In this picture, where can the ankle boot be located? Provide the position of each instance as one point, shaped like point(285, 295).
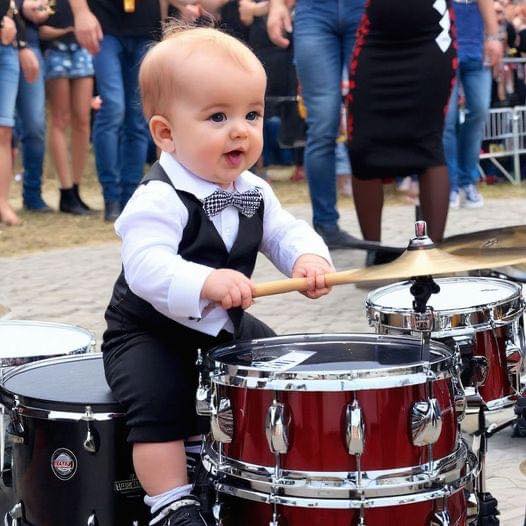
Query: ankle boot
point(70, 204)
point(79, 199)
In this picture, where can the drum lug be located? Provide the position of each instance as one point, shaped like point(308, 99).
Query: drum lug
point(203, 405)
point(441, 518)
point(354, 429)
point(472, 510)
point(222, 421)
point(426, 422)
point(18, 431)
point(15, 516)
point(480, 368)
point(92, 520)
point(459, 399)
point(277, 427)
point(514, 358)
point(91, 442)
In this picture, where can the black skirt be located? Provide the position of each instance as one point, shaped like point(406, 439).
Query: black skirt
point(401, 75)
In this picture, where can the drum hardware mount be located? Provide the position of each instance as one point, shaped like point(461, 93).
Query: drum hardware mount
point(426, 422)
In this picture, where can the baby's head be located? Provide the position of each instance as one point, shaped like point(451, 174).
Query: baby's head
point(203, 93)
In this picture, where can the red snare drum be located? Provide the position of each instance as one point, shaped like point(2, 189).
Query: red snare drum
point(478, 318)
point(338, 416)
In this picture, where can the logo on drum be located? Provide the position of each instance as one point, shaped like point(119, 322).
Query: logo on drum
point(63, 464)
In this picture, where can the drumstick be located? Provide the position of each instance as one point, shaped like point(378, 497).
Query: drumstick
point(281, 286)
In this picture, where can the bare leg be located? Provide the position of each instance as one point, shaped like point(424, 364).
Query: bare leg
point(81, 93)
point(369, 201)
point(434, 200)
point(7, 214)
point(161, 466)
point(58, 93)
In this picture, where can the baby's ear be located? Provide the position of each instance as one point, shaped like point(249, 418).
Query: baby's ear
point(162, 134)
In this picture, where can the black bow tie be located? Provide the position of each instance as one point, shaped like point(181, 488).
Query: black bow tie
point(246, 202)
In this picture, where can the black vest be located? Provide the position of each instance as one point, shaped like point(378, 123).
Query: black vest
point(200, 243)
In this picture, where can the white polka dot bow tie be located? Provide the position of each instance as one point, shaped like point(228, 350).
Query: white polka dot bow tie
point(246, 202)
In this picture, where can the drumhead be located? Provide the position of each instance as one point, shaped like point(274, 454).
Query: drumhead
point(26, 341)
point(464, 302)
point(328, 362)
point(69, 383)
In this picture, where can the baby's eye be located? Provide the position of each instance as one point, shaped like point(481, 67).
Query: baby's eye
point(218, 117)
point(253, 116)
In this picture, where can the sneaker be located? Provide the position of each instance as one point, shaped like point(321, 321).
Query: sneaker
point(454, 199)
point(472, 197)
point(183, 512)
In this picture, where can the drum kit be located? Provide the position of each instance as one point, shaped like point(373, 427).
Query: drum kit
point(375, 429)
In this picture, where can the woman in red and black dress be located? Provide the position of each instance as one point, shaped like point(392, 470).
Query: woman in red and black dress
point(401, 76)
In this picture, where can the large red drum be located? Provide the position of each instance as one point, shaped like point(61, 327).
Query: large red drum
point(336, 416)
point(478, 318)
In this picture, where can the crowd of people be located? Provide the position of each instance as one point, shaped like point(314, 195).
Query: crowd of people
point(77, 62)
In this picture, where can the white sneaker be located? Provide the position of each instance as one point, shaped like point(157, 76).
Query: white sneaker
point(454, 199)
point(472, 197)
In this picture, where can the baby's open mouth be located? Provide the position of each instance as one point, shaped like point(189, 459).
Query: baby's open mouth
point(234, 158)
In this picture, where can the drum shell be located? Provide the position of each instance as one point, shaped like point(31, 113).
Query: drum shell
point(97, 485)
point(317, 427)
point(243, 512)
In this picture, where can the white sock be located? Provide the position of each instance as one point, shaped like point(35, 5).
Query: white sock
point(158, 502)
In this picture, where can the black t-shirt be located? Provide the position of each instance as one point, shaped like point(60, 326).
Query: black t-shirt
point(145, 21)
point(62, 18)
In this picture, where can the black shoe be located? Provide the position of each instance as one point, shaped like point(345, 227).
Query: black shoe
point(112, 210)
point(82, 203)
point(183, 512)
point(380, 257)
point(69, 203)
point(335, 237)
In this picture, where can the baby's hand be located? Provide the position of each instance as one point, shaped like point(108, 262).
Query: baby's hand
point(228, 287)
point(314, 269)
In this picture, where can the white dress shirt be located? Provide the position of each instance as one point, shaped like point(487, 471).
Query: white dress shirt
point(151, 227)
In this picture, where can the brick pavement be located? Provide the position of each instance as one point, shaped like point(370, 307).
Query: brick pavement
point(74, 285)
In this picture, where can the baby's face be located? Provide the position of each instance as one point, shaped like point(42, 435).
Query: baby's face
point(217, 118)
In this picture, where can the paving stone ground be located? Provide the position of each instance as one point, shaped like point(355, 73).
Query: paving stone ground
point(73, 286)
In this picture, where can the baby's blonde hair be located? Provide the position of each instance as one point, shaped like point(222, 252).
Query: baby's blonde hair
point(158, 84)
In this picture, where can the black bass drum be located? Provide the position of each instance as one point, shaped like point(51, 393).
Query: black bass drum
point(71, 464)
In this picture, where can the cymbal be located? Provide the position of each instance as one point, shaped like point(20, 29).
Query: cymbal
point(421, 258)
point(506, 237)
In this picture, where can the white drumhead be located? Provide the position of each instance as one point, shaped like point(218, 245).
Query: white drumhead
point(455, 294)
point(27, 339)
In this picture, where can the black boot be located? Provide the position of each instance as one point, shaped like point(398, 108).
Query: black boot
point(82, 203)
point(185, 511)
point(69, 203)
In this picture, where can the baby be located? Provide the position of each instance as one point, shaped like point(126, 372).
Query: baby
point(190, 237)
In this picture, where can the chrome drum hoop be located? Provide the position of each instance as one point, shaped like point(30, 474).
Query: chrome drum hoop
point(447, 322)
point(342, 485)
point(445, 491)
point(350, 380)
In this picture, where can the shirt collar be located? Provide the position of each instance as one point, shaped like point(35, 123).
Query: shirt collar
point(184, 180)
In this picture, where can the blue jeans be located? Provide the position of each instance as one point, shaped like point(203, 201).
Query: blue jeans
point(324, 35)
point(120, 131)
point(31, 130)
point(462, 141)
point(9, 75)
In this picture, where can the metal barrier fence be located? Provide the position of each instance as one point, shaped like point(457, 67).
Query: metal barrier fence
point(506, 134)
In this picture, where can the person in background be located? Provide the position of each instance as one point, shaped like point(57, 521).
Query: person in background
point(479, 50)
point(31, 105)
point(69, 82)
point(324, 36)
point(9, 76)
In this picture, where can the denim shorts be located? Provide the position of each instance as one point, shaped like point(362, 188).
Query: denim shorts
point(67, 61)
point(9, 75)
